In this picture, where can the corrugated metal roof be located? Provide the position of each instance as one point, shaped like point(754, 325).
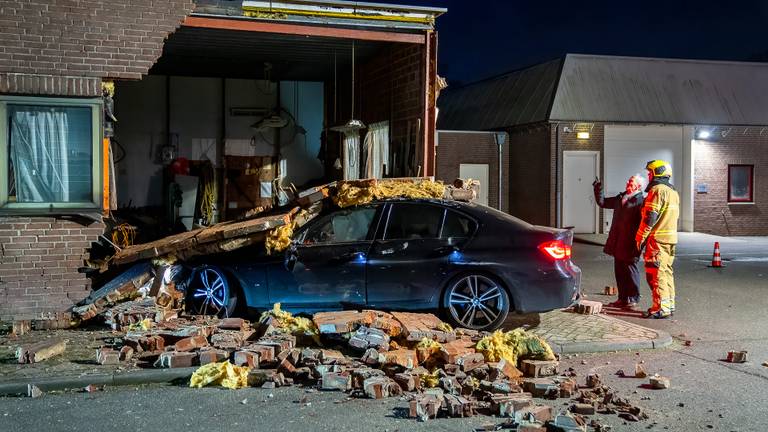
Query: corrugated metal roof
point(515, 98)
point(654, 90)
point(613, 89)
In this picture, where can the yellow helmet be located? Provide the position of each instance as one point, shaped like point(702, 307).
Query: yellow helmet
point(659, 168)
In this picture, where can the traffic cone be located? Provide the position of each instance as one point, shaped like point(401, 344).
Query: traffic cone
point(716, 262)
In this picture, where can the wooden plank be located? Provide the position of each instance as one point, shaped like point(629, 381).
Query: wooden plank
point(195, 238)
point(304, 30)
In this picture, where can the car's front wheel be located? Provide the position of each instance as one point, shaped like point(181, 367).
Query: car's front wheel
point(211, 293)
point(477, 302)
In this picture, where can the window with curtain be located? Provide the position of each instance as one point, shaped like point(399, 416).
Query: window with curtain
point(740, 183)
point(52, 153)
point(377, 150)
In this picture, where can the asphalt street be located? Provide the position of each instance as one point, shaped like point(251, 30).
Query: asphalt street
point(717, 310)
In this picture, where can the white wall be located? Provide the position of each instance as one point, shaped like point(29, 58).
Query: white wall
point(304, 100)
point(627, 149)
point(196, 122)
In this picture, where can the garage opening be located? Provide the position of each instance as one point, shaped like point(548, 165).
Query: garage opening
point(232, 121)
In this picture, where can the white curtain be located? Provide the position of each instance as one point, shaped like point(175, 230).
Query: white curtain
point(39, 152)
point(351, 155)
point(377, 150)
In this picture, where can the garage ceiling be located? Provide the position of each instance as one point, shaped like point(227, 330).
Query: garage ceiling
point(242, 54)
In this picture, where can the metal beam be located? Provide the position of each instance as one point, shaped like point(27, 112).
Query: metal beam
point(303, 30)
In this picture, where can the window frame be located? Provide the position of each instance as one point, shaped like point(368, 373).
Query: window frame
point(301, 235)
point(386, 219)
point(97, 113)
point(751, 198)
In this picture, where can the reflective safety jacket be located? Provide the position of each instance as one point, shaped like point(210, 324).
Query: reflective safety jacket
point(660, 213)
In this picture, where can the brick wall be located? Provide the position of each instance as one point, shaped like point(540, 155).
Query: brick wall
point(392, 87)
point(712, 212)
point(39, 258)
point(530, 188)
point(455, 148)
point(58, 42)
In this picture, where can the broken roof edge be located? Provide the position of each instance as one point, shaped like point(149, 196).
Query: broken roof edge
point(343, 13)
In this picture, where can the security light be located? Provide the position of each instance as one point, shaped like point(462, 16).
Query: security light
point(582, 135)
point(703, 134)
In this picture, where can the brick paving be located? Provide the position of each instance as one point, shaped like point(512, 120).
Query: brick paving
point(567, 331)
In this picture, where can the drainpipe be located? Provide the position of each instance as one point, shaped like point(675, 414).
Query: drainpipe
point(558, 215)
point(500, 137)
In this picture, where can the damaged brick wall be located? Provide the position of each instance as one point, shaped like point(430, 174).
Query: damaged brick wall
point(39, 258)
point(63, 47)
point(712, 212)
point(456, 148)
point(392, 87)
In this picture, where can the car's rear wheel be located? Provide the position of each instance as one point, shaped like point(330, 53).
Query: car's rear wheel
point(211, 293)
point(476, 301)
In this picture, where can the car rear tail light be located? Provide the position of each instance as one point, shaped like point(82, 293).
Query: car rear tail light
point(556, 249)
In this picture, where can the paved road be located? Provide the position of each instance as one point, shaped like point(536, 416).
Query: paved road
point(718, 310)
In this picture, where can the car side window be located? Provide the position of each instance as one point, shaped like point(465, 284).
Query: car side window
point(349, 225)
point(414, 221)
point(457, 225)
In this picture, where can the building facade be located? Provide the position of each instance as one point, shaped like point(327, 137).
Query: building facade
point(101, 102)
point(583, 117)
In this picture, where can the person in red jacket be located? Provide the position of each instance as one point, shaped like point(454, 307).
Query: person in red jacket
point(620, 245)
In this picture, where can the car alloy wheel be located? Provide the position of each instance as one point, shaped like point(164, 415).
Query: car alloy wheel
point(210, 294)
point(477, 302)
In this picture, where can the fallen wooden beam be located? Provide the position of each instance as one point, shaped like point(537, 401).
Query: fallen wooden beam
point(182, 243)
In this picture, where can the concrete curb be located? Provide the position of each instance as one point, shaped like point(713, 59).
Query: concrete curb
point(577, 239)
point(147, 376)
point(662, 340)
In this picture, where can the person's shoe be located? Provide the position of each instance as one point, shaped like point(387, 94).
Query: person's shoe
point(617, 304)
point(656, 315)
point(632, 306)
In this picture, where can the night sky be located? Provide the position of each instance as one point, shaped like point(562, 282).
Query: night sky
point(479, 38)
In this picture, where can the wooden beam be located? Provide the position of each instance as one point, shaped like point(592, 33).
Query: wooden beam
point(303, 30)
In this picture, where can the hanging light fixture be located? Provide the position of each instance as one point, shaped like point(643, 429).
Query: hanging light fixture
point(352, 124)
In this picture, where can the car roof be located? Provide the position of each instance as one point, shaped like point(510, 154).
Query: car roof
point(477, 210)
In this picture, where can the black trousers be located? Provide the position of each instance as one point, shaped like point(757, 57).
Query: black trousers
point(627, 279)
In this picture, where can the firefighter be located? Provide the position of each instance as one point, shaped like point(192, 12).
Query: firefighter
point(620, 245)
point(658, 234)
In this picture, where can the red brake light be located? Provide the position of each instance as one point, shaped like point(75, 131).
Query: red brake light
point(556, 249)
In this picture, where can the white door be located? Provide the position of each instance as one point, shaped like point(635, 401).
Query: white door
point(477, 172)
point(579, 209)
point(628, 148)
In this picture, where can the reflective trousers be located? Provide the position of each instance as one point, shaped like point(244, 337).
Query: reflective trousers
point(659, 258)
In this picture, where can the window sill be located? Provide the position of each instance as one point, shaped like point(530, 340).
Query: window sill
point(741, 203)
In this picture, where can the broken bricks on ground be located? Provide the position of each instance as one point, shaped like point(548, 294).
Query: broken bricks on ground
point(441, 371)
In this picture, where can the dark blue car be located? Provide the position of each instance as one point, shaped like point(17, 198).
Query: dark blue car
point(472, 263)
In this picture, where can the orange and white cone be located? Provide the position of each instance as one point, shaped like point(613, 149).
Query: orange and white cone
point(716, 262)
